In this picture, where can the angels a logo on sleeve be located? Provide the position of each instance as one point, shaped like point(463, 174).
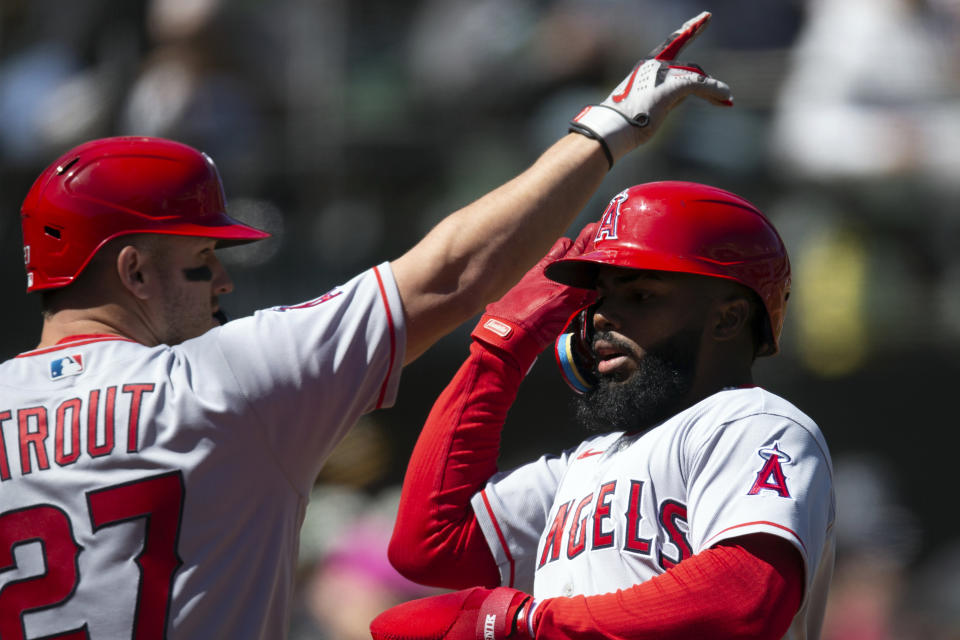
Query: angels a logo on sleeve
point(71, 365)
point(770, 477)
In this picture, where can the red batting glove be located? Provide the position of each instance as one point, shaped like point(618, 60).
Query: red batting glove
point(532, 314)
point(471, 614)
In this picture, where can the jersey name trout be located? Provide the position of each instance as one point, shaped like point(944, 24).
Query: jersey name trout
point(93, 425)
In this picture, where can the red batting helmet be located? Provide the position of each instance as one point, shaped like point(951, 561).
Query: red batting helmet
point(689, 228)
point(117, 186)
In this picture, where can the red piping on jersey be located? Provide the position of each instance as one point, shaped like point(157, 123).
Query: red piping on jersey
point(74, 341)
point(393, 338)
point(764, 522)
point(86, 336)
point(503, 541)
point(588, 453)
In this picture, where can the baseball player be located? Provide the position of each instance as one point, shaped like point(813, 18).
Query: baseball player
point(703, 508)
point(155, 461)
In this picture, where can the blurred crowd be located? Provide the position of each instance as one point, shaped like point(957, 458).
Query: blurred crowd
point(347, 129)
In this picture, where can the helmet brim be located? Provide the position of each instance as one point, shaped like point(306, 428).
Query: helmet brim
point(581, 271)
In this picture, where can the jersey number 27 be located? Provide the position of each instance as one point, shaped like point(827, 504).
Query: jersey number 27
point(158, 499)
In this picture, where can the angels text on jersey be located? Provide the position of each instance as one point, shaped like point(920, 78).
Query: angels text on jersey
point(590, 523)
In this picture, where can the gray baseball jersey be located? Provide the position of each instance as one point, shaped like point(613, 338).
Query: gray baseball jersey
point(620, 509)
point(151, 492)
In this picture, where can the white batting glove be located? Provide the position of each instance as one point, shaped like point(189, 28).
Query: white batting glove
point(631, 114)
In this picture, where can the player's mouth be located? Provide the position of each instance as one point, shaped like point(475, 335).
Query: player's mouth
point(218, 314)
point(611, 358)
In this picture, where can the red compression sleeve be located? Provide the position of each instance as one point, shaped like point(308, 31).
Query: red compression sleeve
point(749, 587)
point(436, 539)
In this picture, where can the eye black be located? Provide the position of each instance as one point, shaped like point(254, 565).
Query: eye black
point(198, 274)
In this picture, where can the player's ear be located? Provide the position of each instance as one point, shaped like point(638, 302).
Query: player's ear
point(131, 269)
point(730, 318)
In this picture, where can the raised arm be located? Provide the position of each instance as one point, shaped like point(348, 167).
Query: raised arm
point(436, 539)
point(476, 253)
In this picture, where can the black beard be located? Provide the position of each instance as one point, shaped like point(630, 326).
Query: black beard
point(656, 390)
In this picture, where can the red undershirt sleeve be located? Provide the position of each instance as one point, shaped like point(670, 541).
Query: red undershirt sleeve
point(747, 587)
point(436, 539)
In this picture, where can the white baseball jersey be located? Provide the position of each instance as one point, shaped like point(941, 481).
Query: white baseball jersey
point(620, 509)
point(158, 492)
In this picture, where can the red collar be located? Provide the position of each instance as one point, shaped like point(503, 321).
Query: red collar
point(75, 340)
point(88, 336)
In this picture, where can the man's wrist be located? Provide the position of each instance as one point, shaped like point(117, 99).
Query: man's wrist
point(576, 127)
point(524, 621)
point(578, 146)
point(510, 341)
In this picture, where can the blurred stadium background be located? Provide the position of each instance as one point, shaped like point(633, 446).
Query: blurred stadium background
point(348, 129)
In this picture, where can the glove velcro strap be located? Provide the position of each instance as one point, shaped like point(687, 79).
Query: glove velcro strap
point(508, 338)
point(613, 129)
point(576, 127)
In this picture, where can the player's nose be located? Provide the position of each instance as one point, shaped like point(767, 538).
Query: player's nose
point(222, 283)
point(603, 317)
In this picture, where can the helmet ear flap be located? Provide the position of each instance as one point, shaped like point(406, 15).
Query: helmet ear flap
point(573, 350)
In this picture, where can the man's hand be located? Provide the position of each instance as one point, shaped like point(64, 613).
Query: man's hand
point(471, 614)
point(532, 314)
point(636, 108)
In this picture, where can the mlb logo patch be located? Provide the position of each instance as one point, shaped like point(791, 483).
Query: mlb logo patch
point(71, 365)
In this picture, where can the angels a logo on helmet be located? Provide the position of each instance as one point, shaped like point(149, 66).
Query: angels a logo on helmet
point(607, 230)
